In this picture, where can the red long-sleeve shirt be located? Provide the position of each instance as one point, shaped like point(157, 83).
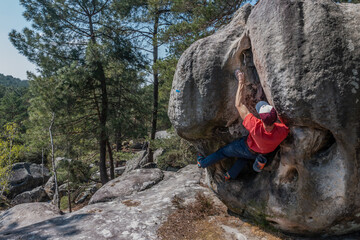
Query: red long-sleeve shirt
point(260, 140)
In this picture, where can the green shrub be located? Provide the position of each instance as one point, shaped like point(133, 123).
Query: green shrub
point(75, 171)
point(119, 156)
point(64, 203)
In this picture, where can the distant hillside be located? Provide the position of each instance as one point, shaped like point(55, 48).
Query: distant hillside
point(10, 81)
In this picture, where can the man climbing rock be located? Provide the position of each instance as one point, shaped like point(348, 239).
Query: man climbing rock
point(264, 137)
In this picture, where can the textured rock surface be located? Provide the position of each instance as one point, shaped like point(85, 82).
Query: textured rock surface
point(36, 195)
point(157, 154)
point(136, 181)
point(163, 135)
point(136, 216)
point(304, 58)
point(50, 187)
point(26, 176)
point(26, 214)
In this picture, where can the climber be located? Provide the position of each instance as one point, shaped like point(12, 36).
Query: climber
point(264, 137)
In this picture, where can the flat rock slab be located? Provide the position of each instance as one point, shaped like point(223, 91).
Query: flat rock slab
point(25, 214)
point(135, 216)
point(136, 181)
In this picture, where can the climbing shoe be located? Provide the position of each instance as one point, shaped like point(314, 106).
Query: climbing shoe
point(259, 163)
point(200, 157)
point(227, 176)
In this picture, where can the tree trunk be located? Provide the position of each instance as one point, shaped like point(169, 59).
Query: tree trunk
point(112, 169)
point(42, 165)
point(56, 200)
point(100, 76)
point(118, 140)
point(68, 187)
point(103, 119)
point(156, 77)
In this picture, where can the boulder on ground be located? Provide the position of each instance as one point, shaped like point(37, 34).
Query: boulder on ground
point(163, 135)
point(119, 171)
point(303, 57)
point(86, 193)
point(50, 187)
point(26, 176)
point(134, 181)
point(36, 195)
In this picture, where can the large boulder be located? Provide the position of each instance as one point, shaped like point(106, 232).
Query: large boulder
point(36, 195)
point(135, 181)
point(50, 187)
point(26, 176)
point(163, 135)
point(303, 57)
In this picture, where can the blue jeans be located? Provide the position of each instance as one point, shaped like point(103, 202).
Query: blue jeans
point(237, 148)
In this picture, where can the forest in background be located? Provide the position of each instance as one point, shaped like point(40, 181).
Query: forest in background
point(104, 74)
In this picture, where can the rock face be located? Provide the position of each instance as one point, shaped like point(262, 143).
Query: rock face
point(25, 177)
point(36, 195)
point(132, 216)
point(163, 135)
point(50, 187)
point(303, 57)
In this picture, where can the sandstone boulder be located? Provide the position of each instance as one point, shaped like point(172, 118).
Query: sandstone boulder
point(303, 57)
point(163, 134)
point(36, 195)
point(135, 181)
point(119, 171)
point(26, 176)
point(50, 187)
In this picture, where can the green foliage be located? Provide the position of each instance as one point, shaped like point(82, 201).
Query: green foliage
point(194, 20)
point(9, 153)
point(73, 170)
point(120, 156)
point(166, 68)
point(64, 203)
point(10, 81)
point(93, 77)
point(177, 152)
point(13, 107)
point(89, 76)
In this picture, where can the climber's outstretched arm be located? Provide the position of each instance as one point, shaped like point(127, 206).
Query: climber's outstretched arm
point(242, 109)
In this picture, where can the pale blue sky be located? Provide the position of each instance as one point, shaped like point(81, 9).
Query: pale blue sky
point(11, 61)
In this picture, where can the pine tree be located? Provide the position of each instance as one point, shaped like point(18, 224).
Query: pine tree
point(72, 37)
